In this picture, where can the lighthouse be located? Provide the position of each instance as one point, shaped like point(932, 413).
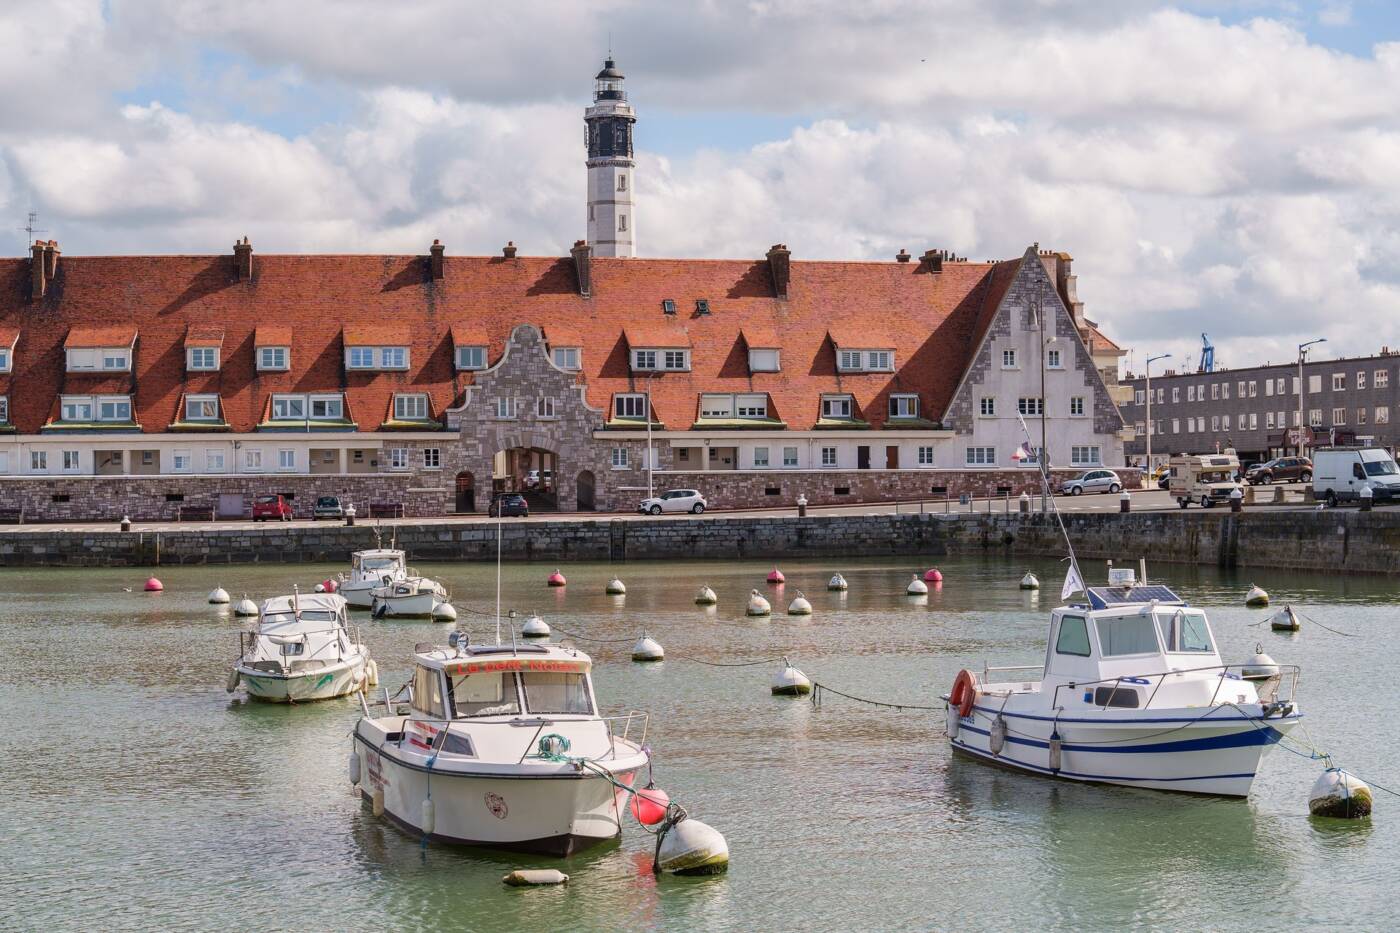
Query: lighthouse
point(612, 221)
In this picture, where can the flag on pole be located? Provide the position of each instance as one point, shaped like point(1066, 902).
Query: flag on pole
point(1022, 453)
point(1072, 582)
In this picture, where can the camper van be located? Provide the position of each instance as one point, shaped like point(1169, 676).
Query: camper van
point(1203, 478)
point(1340, 473)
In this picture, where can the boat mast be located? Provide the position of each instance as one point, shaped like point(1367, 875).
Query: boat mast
point(498, 577)
point(1050, 496)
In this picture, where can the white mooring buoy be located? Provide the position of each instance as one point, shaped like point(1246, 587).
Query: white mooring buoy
point(691, 847)
point(1256, 597)
point(705, 597)
point(1285, 620)
point(245, 607)
point(535, 627)
point(218, 596)
point(916, 587)
point(1259, 666)
point(1340, 794)
point(758, 606)
point(529, 877)
point(837, 583)
point(647, 649)
point(444, 612)
point(616, 587)
point(800, 606)
point(790, 682)
point(1029, 582)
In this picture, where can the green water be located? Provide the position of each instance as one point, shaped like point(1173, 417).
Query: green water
point(140, 795)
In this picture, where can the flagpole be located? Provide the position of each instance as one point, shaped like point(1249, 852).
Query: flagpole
point(1050, 496)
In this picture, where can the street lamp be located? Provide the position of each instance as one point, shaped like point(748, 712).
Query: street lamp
point(650, 451)
point(1302, 353)
point(1147, 369)
point(1043, 458)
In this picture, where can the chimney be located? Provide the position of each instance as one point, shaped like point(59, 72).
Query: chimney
point(509, 251)
point(51, 260)
point(583, 266)
point(932, 260)
point(38, 281)
point(902, 255)
point(435, 260)
point(243, 259)
point(779, 264)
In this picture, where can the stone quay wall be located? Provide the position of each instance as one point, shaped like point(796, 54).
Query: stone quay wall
point(1340, 540)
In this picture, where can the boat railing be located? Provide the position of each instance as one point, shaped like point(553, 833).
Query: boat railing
point(988, 670)
point(249, 640)
point(1267, 687)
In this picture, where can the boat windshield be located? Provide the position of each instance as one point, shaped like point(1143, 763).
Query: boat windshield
point(309, 615)
point(490, 693)
point(378, 563)
point(1132, 634)
point(1185, 630)
point(551, 692)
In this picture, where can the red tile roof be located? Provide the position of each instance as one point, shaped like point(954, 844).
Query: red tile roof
point(934, 318)
point(378, 335)
point(8, 336)
point(1099, 341)
point(204, 335)
point(562, 335)
point(88, 338)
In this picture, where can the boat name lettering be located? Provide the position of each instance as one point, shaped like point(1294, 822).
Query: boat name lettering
point(520, 664)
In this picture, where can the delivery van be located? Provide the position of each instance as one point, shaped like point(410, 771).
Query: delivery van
point(1203, 478)
point(1340, 473)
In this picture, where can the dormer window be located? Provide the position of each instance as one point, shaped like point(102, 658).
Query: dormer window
point(836, 406)
point(304, 408)
point(630, 406)
point(106, 359)
point(5, 359)
point(87, 408)
point(202, 359)
point(411, 407)
point(567, 358)
point(904, 406)
point(733, 406)
point(668, 306)
point(763, 361)
point(855, 361)
point(274, 359)
point(376, 358)
point(702, 306)
point(663, 360)
point(469, 358)
point(201, 408)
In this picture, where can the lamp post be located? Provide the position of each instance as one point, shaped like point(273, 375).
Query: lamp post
point(1043, 459)
point(650, 454)
point(1147, 370)
point(1302, 354)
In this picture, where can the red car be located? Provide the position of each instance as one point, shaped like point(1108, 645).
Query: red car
point(274, 507)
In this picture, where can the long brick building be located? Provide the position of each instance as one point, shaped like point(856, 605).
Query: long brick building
point(143, 384)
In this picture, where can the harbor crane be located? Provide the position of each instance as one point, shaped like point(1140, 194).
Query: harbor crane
point(1207, 364)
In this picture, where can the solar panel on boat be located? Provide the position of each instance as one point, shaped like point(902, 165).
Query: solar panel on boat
point(1101, 597)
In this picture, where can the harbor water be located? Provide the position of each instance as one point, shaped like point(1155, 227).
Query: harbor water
point(140, 795)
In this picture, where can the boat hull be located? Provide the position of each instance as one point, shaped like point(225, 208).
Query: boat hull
point(322, 684)
point(1179, 750)
point(358, 595)
point(557, 815)
point(407, 607)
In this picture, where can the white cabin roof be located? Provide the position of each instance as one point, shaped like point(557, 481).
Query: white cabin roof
point(378, 552)
point(521, 657)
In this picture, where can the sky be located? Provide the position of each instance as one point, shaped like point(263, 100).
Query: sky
point(1219, 166)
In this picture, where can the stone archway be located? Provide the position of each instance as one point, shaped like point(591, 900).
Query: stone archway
point(586, 490)
point(532, 471)
point(466, 492)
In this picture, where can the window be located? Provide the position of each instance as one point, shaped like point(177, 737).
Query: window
point(981, 456)
point(675, 360)
point(1268, 388)
point(1008, 361)
point(376, 357)
point(1214, 391)
point(622, 182)
point(1176, 394)
point(716, 406)
point(252, 461)
point(554, 692)
point(544, 406)
point(432, 458)
point(1314, 383)
point(1052, 359)
point(904, 406)
point(848, 360)
point(1138, 429)
point(288, 408)
point(1084, 456)
point(1161, 394)
point(214, 461)
point(471, 357)
point(75, 408)
point(1315, 417)
point(751, 406)
point(763, 361)
point(1225, 422)
point(619, 458)
point(328, 407)
point(398, 458)
point(411, 407)
point(1295, 385)
point(1253, 388)
point(1253, 422)
point(503, 406)
point(643, 359)
point(1215, 422)
point(1225, 390)
point(1029, 406)
point(760, 456)
point(114, 408)
point(631, 406)
point(4, 359)
point(361, 357)
point(828, 456)
point(566, 358)
point(205, 358)
point(201, 408)
point(485, 694)
point(789, 456)
point(1076, 406)
point(702, 306)
point(1297, 419)
point(1339, 416)
point(4, 409)
point(925, 456)
point(272, 358)
point(1361, 416)
point(1382, 415)
point(1242, 387)
point(989, 406)
point(668, 306)
point(1339, 381)
point(286, 458)
point(39, 460)
point(82, 359)
point(879, 360)
point(590, 213)
point(1140, 397)
point(1361, 380)
point(1073, 637)
point(1184, 631)
point(1380, 379)
point(72, 462)
point(1176, 425)
point(1190, 393)
point(1132, 634)
point(836, 406)
point(622, 223)
point(1268, 421)
point(394, 357)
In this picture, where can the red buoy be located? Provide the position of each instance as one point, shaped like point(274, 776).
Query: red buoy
point(330, 586)
point(557, 579)
point(154, 586)
point(649, 805)
point(933, 576)
point(776, 576)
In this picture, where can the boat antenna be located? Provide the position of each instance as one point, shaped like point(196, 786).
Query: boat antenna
point(1050, 497)
point(498, 578)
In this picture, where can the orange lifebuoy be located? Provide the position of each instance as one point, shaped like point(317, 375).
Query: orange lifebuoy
point(964, 692)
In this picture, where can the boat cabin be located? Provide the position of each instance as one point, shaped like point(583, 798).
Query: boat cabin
point(473, 682)
point(292, 615)
point(378, 563)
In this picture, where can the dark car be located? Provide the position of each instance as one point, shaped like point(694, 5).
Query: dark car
point(509, 504)
point(276, 508)
point(328, 507)
point(1280, 470)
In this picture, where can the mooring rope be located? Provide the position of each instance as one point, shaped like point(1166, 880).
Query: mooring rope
point(819, 688)
point(1309, 618)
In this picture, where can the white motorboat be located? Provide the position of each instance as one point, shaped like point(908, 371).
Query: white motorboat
point(370, 570)
point(302, 650)
point(411, 597)
point(501, 746)
point(1132, 692)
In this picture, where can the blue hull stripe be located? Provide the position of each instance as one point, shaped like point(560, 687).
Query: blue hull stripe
point(963, 747)
point(1262, 736)
point(993, 711)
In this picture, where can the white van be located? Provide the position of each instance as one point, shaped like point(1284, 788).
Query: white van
point(1340, 473)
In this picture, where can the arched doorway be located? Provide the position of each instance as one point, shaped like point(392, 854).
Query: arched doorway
point(585, 491)
point(531, 471)
point(466, 492)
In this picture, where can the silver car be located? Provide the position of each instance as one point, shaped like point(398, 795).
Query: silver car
point(675, 500)
point(1092, 481)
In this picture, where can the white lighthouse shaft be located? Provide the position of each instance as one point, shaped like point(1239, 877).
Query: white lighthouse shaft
point(612, 221)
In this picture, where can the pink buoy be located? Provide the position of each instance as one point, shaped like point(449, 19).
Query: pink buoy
point(557, 579)
point(649, 805)
point(154, 586)
point(776, 576)
point(330, 586)
point(933, 576)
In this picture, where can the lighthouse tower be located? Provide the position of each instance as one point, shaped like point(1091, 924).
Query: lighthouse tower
point(612, 222)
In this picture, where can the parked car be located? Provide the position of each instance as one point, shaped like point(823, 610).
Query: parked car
point(1203, 478)
point(1160, 476)
point(674, 500)
point(1092, 481)
point(1342, 472)
point(509, 504)
point(540, 479)
point(274, 507)
point(328, 507)
point(1280, 469)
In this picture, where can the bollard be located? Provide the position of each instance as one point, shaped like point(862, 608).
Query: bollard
point(1367, 496)
point(350, 516)
point(126, 523)
point(1249, 495)
point(1125, 502)
point(1025, 503)
point(802, 506)
point(1236, 500)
